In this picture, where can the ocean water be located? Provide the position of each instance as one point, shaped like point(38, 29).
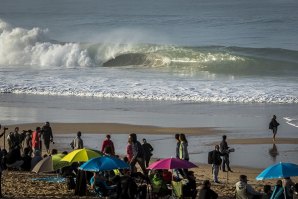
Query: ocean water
point(199, 51)
point(196, 51)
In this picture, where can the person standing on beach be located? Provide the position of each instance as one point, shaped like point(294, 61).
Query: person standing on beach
point(77, 143)
point(183, 151)
point(216, 162)
point(3, 134)
point(47, 135)
point(138, 154)
point(108, 146)
point(147, 151)
point(224, 149)
point(36, 139)
point(273, 126)
point(129, 152)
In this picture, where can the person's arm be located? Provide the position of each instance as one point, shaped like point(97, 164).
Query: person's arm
point(104, 143)
point(151, 148)
point(51, 134)
point(82, 144)
point(113, 148)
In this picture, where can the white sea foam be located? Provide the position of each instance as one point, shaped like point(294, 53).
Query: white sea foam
point(171, 73)
point(293, 121)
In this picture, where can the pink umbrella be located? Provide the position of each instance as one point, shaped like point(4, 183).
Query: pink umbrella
point(171, 163)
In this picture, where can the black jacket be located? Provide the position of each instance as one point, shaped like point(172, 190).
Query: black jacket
point(207, 193)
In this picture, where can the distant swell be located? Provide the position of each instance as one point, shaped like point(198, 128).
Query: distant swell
point(23, 47)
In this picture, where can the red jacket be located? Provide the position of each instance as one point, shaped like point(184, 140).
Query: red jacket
point(35, 140)
point(108, 144)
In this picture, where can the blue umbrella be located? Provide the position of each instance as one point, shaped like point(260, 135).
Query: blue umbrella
point(279, 170)
point(104, 163)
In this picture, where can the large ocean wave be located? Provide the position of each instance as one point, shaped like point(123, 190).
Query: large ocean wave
point(33, 47)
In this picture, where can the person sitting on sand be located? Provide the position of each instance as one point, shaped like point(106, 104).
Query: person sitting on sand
point(13, 158)
point(244, 190)
point(267, 192)
point(190, 188)
point(77, 143)
point(26, 166)
point(278, 191)
point(295, 191)
point(288, 185)
point(206, 192)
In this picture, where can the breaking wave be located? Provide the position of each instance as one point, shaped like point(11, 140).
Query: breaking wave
point(32, 47)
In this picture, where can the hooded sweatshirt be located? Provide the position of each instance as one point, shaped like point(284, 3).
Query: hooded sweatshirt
point(245, 191)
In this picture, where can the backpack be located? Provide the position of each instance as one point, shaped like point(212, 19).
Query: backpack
point(210, 157)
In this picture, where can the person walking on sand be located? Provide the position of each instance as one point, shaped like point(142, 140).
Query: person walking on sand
point(108, 146)
point(147, 151)
point(224, 149)
point(77, 142)
point(47, 136)
point(273, 126)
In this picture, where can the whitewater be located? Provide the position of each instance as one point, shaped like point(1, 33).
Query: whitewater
point(232, 52)
point(33, 63)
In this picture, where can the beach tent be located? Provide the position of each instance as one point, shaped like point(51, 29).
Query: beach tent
point(50, 163)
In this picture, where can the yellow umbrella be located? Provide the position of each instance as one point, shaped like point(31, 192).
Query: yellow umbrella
point(81, 155)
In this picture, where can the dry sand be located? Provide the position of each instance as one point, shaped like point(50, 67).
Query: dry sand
point(16, 184)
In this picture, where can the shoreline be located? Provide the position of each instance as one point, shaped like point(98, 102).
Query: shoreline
point(121, 128)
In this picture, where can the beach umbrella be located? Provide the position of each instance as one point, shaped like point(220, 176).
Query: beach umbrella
point(50, 163)
point(171, 163)
point(104, 163)
point(81, 155)
point(279, 170)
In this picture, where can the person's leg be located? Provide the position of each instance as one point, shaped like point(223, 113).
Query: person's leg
point(224, 164)
point(132, 165)
point(228, 163)
point(215, 169)
point(141, 162)
point(274, 130)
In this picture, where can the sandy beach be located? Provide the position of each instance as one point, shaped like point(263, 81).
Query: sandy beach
point(17, 184)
